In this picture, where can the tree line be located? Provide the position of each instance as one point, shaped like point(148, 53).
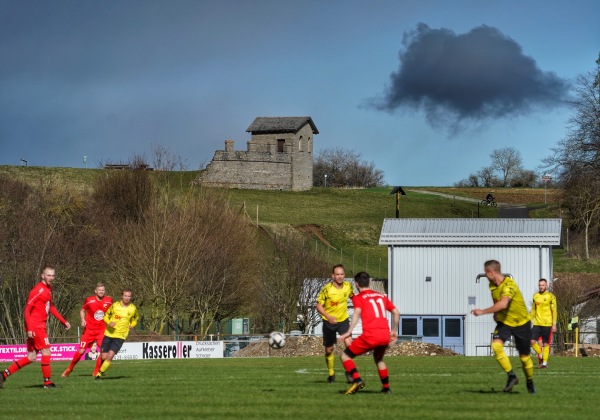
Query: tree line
point(185, 253)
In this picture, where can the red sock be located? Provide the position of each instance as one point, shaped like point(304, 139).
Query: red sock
point(76, 358)
point(46, 370)
point(384, 376)
point(350, 367)
point(19, 364)
point(98, 365)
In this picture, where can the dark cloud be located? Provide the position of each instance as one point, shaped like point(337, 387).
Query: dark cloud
point(465, 78)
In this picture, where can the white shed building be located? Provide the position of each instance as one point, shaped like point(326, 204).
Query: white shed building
point(433, 269)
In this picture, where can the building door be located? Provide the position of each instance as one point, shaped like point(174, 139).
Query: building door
point(280, 144)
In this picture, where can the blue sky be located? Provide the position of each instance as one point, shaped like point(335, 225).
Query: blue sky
point(424, 89)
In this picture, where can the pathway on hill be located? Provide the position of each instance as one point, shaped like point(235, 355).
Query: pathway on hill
point(506, 210)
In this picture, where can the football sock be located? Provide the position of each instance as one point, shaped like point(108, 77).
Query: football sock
point(46, 369)
point(329, 360)
point(350, 367)
point(105, 365)
point(536, 347)
point(98, 364)
point(76, 358)
point(546, 353)
point(527, 366)
point(384, 376)
point(19, 364)
point(501, 356)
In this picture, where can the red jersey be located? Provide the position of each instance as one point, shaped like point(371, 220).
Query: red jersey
point(94, 312)
point(374, 307)
point(39, 305)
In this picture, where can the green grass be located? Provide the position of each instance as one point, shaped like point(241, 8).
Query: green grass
point(423, 387)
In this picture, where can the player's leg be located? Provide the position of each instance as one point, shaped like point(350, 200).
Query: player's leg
point(536, 334)
point(113, 348)
point(329, 338)
point(21, 363)
point(358, 347)
point(522, 337)
point(47, 368)
point(83, 344)
point(499, 337)
point(101, 355)
point(342, 328)
point(547, 339)
point(382, 369)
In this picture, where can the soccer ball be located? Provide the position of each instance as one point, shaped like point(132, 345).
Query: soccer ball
point(276, 340)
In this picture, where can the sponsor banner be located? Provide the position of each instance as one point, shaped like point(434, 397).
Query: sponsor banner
point(130, 351)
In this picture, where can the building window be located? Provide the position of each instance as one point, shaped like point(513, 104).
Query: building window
point(452, 327)
point(409, 326)
point(431, 327)
point(280, 144)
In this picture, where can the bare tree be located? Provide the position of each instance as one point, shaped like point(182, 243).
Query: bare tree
point(340, 167)
point(508, 162)
point(163, 159)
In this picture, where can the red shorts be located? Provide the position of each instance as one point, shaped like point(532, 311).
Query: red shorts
point(89, 337)
point(38, 341)
point(365, 343)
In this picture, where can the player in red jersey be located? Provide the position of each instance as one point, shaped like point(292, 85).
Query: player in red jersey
point(92, 320)
point(39, 304)
point(371, 307)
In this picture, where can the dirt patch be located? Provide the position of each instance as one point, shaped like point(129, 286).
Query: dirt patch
point(585, 350)
point(313, 346)
point(503, 195)
point(316, 231)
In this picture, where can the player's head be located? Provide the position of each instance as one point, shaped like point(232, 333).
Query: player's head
point(491, 269)
point(543, 285)
point(48, 274)
point(126, 298)
point(338, 273)
point(100, 290)
point(362, 279)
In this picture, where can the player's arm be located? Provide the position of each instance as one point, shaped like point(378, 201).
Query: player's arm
point(554, 313)
point(355, 319)
point(58, 316)
point(496, 307)
point(322, 311)
point(134, 319)
point(108, 316)
point(82, 314)
point(395, 325)
point(532, 314)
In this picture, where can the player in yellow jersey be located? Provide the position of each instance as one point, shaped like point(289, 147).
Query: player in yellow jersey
point(543, 317)
point(121, 317)
point(512, 318)
point(332, 304)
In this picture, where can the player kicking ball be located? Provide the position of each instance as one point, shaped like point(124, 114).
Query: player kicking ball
point(372, 308)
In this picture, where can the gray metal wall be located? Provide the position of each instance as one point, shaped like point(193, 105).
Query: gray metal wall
point(453, 271)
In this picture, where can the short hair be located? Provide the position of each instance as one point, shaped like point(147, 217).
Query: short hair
point(337, 266)
point(544, 280)
point(127, 290)
point(100, 285)
point(362, 279)
point(48, 266)
point(493, 265)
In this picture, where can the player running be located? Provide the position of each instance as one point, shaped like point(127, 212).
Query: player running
point(543, 315)
point(92, 320)
point(371, 307)
point(512, 318)
point(39, 305)
point(120, 318)
point(332, 304)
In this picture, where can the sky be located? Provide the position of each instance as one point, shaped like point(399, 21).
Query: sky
point(425, 90)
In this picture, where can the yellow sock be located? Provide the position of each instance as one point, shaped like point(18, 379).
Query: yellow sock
point(105, 365)
point(537, 348)
point(527, 366)
point(546, 353)
point(329, 360)
point(501, 357)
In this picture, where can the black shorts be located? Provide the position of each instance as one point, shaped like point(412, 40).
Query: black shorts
point(522, 335)
point(539, 331)
point(330, 330)
point(111, 343)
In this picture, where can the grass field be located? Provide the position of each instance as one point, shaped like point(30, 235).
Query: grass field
point(295, 388)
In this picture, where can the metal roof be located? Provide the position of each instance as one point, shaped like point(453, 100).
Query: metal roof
point(280, 125)
point(476, 232)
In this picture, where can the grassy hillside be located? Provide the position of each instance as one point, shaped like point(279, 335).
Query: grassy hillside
point(344, 224)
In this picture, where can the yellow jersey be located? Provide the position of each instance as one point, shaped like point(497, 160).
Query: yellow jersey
point(543, 309)
point(335, 301)
point(516, 314)
point(123, 317)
